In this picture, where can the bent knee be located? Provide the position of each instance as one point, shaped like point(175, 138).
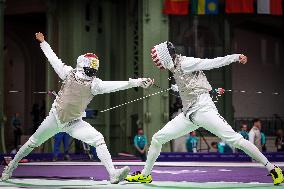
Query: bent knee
point(100, 142)
point(235, 140)
point(158, 139)
point(33, 143)
point(96, 141)
point(240, 143)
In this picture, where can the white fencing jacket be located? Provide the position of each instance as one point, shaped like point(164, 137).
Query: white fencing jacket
point(71, 103)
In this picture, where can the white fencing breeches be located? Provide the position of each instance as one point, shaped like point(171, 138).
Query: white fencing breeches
point(78, 129)
point(207, 117)
point(176, 128)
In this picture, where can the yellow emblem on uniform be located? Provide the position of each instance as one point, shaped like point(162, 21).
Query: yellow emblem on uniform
point(94, 63)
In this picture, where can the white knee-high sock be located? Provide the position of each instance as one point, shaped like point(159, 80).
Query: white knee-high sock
point(254, 152)
point(153, 154)
point(105, 157)
point(23, 152)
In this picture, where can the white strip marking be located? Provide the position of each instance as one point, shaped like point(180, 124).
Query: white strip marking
point(166, 164)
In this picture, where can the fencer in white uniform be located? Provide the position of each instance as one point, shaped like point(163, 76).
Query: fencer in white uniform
point(79, 86)
point(198, 108)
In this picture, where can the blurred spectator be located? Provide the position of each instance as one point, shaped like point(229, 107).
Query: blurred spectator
point(263, 142)
point(42, 111)
point(140, 142)
point(15, 150)
point(94, 153)
point(221, 147)
point(90, 150)
point(176, 109)
point(36, 116)
point(214, 146)
point(224, 148)
point(244, 131)
point(192, 142)
point(279, 142)
point(57, 141)
point(16, 123)
point(255, 135)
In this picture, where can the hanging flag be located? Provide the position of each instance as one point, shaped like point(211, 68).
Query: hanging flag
point(239, 6)
point(273, 7)
point(176, 7)
point(204, 6)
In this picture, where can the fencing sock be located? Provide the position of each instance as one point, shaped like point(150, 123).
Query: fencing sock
point(153, 154)
point(105, 157)
point(254, 152)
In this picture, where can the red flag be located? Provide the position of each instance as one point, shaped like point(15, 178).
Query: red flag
point(176, 7)
point(276, 7)
point(273, 7)
point(239, 6)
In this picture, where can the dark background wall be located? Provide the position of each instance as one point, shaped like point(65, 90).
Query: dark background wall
point(264, 72)
point(24, 69)
point(258, 37)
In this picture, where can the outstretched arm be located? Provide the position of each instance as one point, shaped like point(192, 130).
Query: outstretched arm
point(101, 87)
point(60, 68)
point(190, 64)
